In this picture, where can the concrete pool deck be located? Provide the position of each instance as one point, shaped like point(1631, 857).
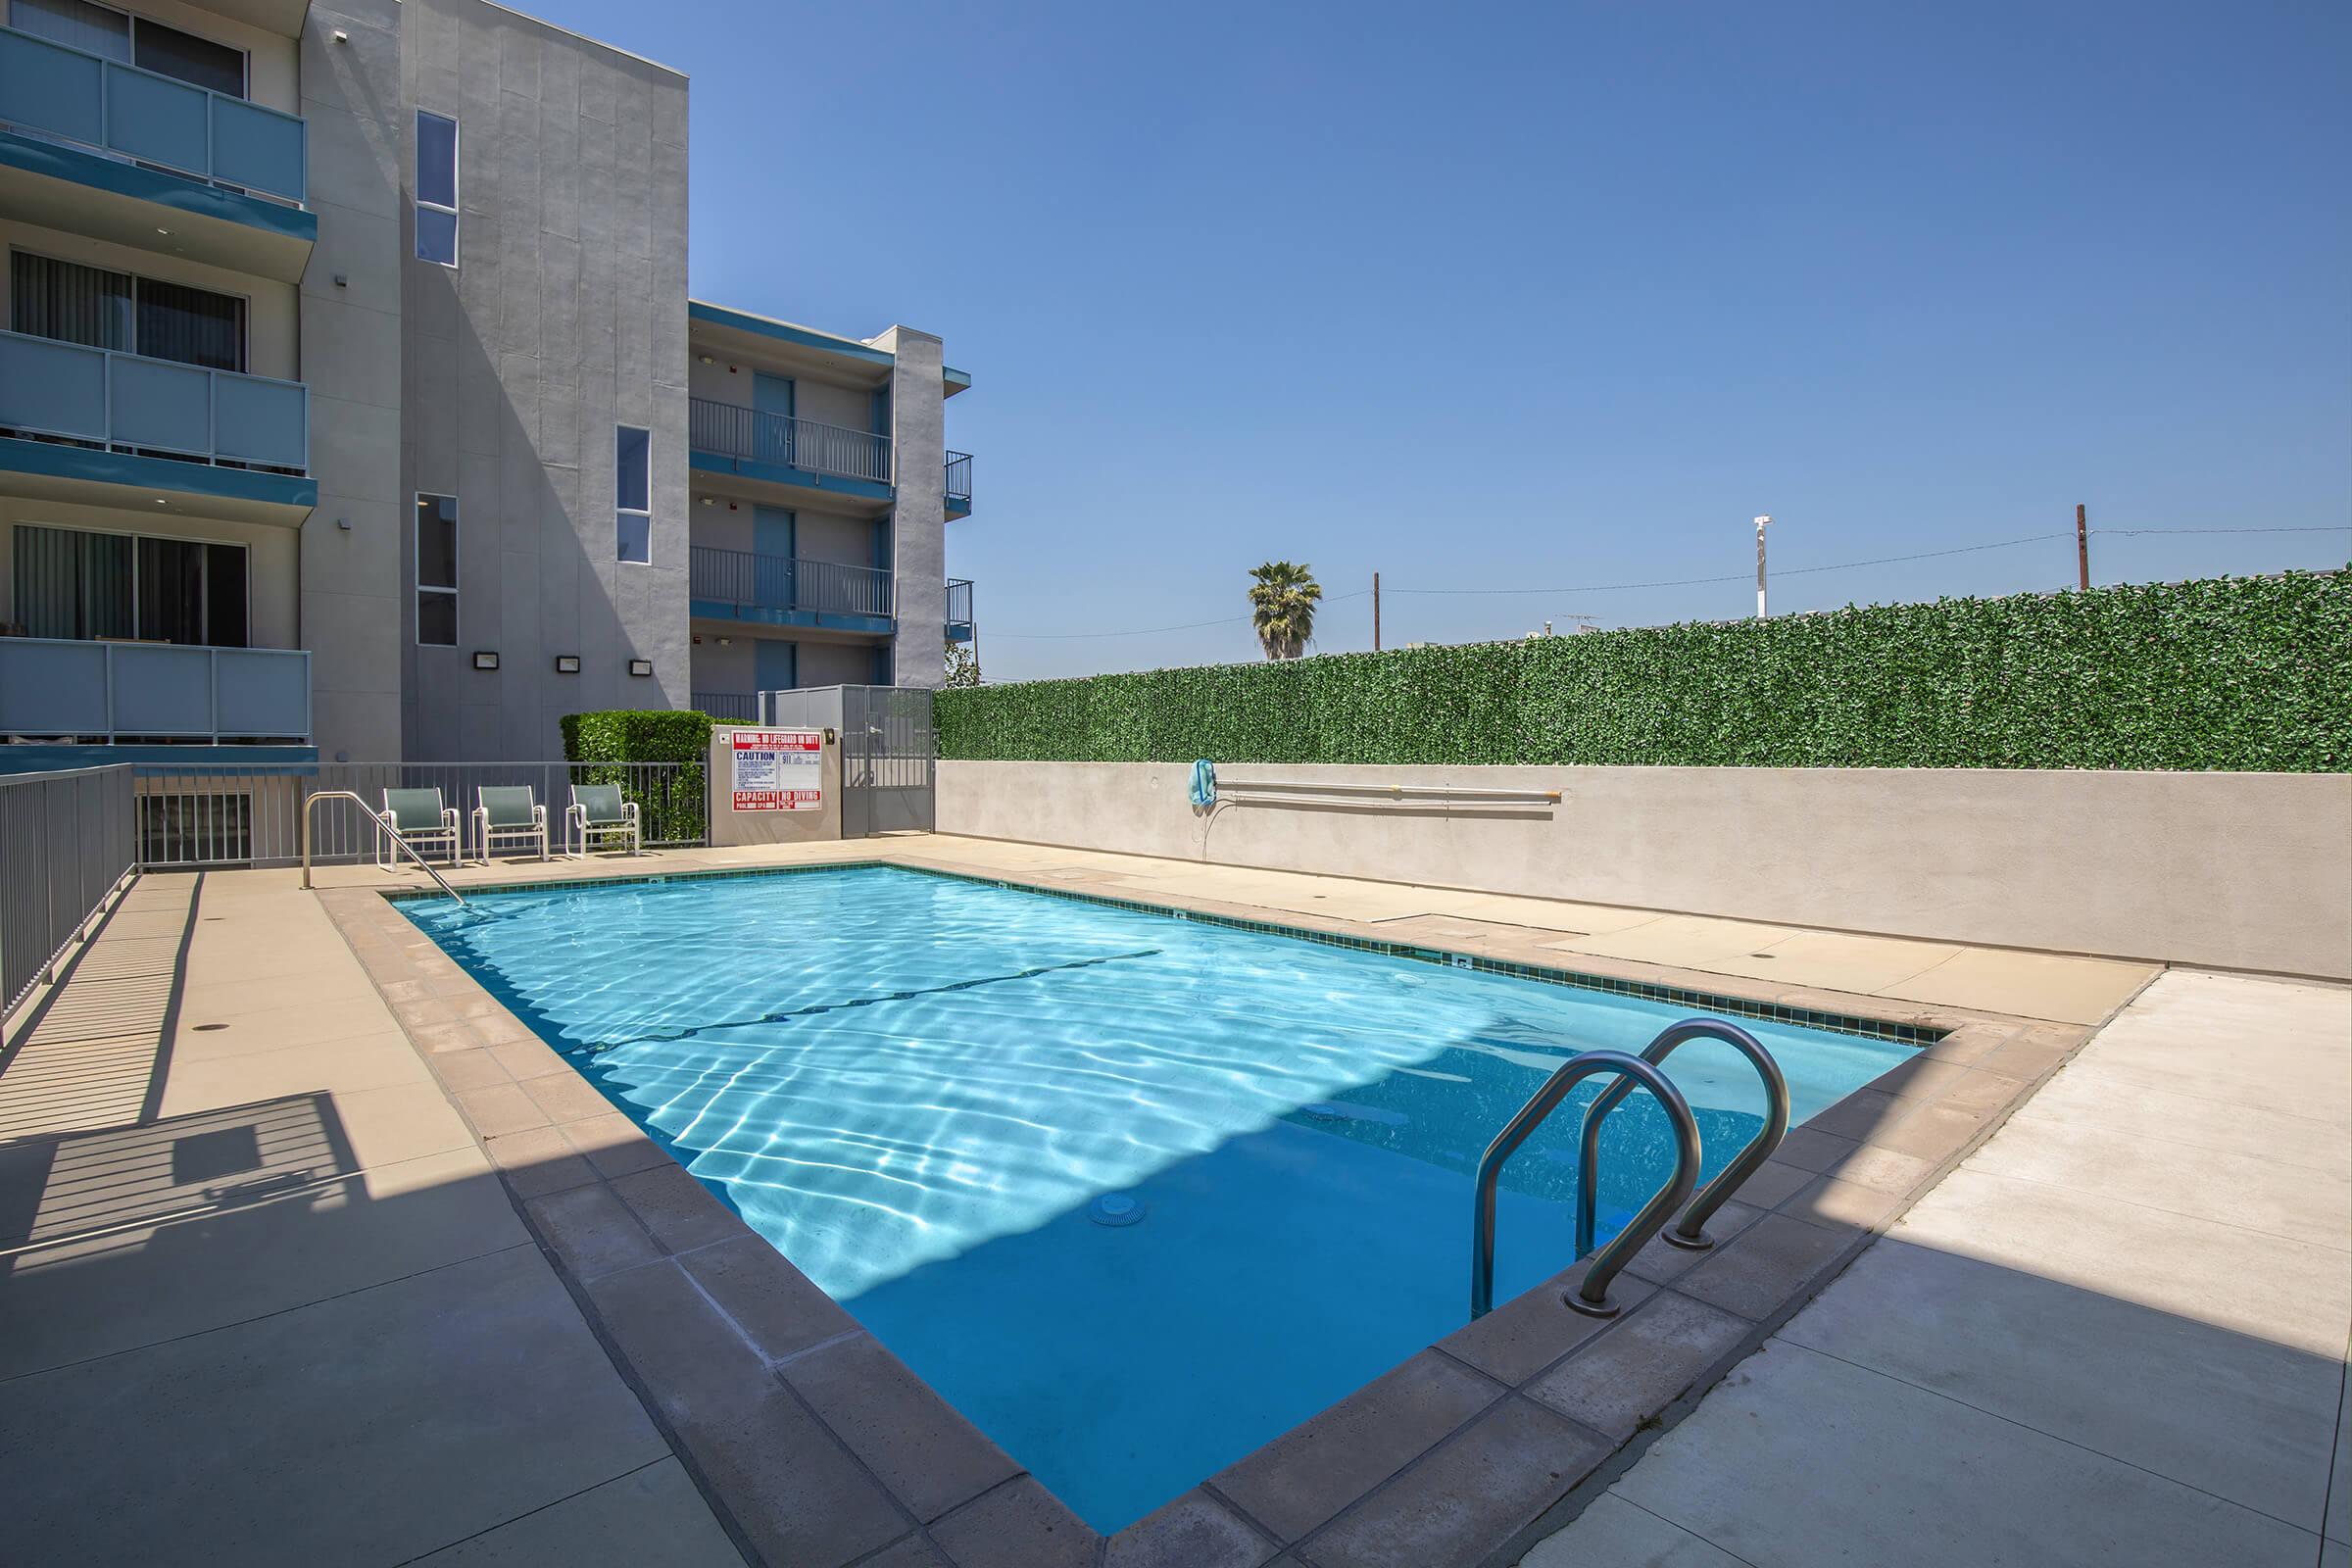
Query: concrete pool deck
point(2123, 1320)
point(269, 1301)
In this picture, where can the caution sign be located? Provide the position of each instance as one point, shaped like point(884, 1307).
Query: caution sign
point(779, 769)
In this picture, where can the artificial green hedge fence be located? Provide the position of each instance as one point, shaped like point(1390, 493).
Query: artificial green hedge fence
point(673, 802)
point(2239, 673)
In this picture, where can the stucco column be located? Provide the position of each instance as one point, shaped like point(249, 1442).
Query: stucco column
point(918, 520)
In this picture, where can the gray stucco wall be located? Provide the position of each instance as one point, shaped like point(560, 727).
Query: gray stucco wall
point(565, 319)
point(353, 560)
point(2239, 871)
point(919, 520)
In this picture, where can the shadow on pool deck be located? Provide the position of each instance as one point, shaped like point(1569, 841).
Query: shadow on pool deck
point(380, 1366)
point(368, 1425)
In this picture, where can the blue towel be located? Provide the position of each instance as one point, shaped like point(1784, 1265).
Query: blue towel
point(1205, 783)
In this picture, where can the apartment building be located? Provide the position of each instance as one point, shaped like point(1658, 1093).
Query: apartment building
point(821, 487)
point(352, 406)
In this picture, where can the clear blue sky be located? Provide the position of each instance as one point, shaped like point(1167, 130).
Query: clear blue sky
point(1555, 296)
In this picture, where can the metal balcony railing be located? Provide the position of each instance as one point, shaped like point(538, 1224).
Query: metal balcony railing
point(60, 687)
point(785, 582)
point(959, 480)
point(960, 602)
point(733, 431)
point(54, 90)
point(132, 402)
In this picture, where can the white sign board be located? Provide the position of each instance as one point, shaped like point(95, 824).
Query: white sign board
point(778, 769)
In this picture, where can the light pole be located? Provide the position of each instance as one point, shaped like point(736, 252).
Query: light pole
point(1762, 524)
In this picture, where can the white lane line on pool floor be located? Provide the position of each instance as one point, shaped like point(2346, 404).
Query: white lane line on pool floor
point(598, 1048)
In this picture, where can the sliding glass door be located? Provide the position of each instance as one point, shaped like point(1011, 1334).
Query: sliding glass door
point(70, 303)
point(78, 584)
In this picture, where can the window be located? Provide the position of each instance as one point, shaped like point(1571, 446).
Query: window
point(437, 571)
point(76, 304)
point(633, 483)
point(436, 188)
point(200, 61)
point(81, 584)
point(134, 41)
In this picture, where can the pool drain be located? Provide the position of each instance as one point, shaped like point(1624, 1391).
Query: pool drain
point(1115, 1208)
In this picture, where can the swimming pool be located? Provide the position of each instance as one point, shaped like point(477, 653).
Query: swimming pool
point(1136, 1194)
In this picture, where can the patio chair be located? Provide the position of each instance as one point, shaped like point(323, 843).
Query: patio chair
point(418, 818)
point(508, 814)
point(597, 810)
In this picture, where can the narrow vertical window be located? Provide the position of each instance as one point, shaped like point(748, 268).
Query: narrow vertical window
point(437, 571)
point(436, 188)
point(633, 499)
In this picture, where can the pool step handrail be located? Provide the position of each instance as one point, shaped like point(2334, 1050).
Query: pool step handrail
point(404, 844)
point(1691, 1231)
point(1591, 1297)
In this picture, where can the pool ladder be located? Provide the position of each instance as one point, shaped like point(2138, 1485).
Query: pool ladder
point(1591, 1297)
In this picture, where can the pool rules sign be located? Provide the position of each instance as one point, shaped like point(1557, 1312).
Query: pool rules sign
point(779, 769)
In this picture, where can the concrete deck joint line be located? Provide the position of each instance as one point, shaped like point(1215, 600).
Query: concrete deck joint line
point(785, 1429)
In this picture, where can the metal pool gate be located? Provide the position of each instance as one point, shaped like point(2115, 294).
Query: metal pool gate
point(889, 756)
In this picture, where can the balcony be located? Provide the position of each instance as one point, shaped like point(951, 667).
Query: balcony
point(153, 424)
point(94, 146)
point(121, 693)
point(959, 610)
point(785, 591)
point(960, 484)
point(728, 438)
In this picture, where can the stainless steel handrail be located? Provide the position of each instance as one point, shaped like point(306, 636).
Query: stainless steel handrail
point(1591, 1298)
point(409, 849)
point(1691, 1231)
point(1242, 787)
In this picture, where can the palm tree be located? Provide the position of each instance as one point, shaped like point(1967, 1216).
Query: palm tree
point(1282, 606)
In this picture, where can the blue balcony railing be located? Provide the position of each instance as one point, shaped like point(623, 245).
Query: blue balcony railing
point(960, 481)
point(733, 431)
point(784, 582)
point(62, 689)
point(133, 403)
point(75, 96)
point(959, 603)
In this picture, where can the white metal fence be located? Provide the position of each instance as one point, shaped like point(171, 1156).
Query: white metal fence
point(226, 815)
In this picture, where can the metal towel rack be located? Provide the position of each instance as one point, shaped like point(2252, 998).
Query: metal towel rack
point(1691, 1231)
point(1591, 1298)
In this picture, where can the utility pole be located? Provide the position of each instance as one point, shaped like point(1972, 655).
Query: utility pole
point(1762, 524)
point(2083, 547)
point(1376, 612)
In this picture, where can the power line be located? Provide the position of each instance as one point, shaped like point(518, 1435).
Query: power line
point(1154, 631)
point(1671, 582)
point(2326, 527)
point(1781, 571)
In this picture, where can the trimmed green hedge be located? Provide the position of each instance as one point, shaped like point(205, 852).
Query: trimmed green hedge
point(673, 802)
point(2235, 673)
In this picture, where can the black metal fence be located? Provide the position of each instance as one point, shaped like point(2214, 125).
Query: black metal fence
point(66, 842)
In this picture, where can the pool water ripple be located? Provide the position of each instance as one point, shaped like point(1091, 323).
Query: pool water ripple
point(918, 1088)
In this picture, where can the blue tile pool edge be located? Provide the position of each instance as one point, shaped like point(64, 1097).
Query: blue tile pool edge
point(1904, 1033)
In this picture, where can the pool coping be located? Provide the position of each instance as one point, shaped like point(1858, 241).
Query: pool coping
point(816, 1447)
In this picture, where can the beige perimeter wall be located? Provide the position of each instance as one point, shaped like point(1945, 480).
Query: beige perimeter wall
point(2240, 870)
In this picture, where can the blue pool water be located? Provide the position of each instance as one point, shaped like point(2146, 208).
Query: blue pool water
point(1135, 1193)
